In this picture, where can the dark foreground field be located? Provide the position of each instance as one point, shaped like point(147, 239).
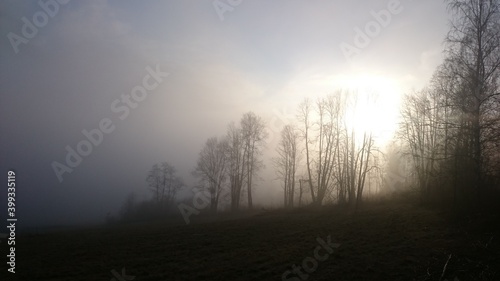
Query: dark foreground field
point(381, 242)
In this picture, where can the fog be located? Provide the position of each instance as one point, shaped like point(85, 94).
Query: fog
point(261, 56)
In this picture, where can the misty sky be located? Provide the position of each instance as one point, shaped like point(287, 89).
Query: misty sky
point(264, 56)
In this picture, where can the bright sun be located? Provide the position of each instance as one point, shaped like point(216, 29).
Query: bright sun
point(374, 106)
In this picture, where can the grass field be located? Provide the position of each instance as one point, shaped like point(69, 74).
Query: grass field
point(380, 242)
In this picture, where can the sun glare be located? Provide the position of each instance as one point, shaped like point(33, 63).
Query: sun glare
point(373, 105)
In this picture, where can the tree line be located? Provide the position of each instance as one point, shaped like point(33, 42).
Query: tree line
point(338, 155)
point(451, 128)
point(232, 161)
point(449, 135)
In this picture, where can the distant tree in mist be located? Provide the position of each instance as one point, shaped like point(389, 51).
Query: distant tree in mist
point(212, 169)
point(244, 145)
point(164, 182)
point(128, 208)
point(236, 155)
point(396, 173)
point(304, 117)
point(286, 164)
point(253, 136)
point(134, 209)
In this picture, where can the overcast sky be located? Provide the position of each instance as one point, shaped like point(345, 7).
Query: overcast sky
point(264, 56)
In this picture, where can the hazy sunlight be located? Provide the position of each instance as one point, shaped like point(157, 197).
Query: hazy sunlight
point(374, 105)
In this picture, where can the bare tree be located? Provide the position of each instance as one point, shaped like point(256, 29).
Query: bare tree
point(364, 154)
point(164, 182)
point(451, 128)
point(286, 163)
point(473, 56)
point(354, 156)
point(330, 113)
point(212, 169)
point(420, 131)
point(304, 116)
point(236, 155)
point(322, 140)
point(253, 136)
